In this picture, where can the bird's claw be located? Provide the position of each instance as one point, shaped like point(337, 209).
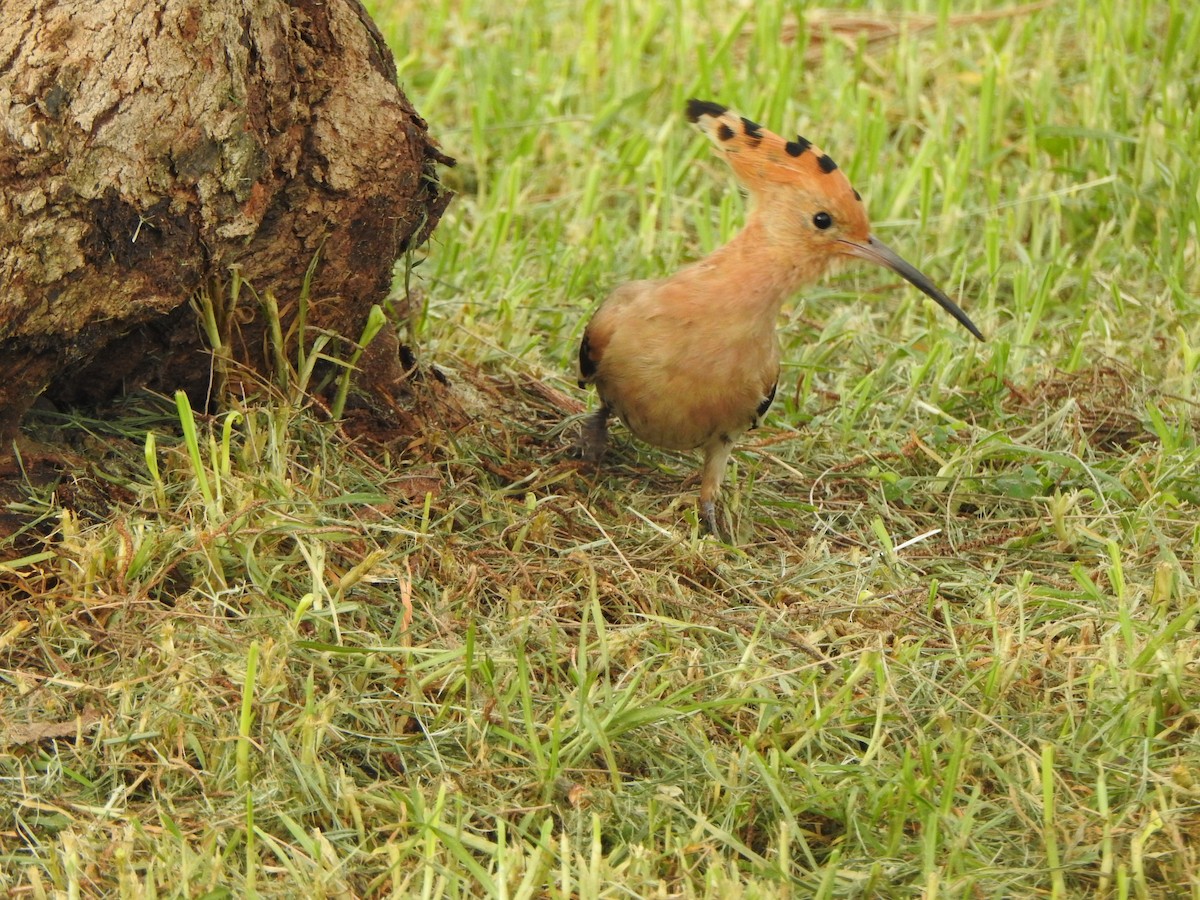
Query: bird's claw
point(708, 510)
point(593, 438)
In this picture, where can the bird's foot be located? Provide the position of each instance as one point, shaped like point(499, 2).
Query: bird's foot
point(593, 437)
point(708, 510)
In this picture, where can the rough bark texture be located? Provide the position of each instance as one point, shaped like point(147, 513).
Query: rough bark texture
point(148, 145)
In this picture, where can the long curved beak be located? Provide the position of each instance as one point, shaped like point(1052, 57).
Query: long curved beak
point(876, 251)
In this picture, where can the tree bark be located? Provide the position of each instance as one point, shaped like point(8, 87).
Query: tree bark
point(146, 146)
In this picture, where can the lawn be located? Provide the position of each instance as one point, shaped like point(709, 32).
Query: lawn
point(952, 648)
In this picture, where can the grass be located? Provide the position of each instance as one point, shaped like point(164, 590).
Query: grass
point(954, 652)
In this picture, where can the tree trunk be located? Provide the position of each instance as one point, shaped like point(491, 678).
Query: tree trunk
point(146, 146)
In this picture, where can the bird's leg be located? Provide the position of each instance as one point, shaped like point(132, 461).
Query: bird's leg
point(593, 436)
point(716, 458)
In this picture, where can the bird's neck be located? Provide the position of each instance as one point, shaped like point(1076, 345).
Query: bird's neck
point(753, 271)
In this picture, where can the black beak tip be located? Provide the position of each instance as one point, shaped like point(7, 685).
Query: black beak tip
point(969, 325)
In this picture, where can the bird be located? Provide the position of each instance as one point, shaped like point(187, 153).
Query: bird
point(691, 361)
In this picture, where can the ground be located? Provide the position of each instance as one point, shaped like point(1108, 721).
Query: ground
point(421, 650)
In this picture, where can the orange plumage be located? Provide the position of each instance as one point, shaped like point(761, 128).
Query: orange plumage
point(692, 360)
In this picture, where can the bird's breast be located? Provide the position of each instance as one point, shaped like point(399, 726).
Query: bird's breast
point(679, 384)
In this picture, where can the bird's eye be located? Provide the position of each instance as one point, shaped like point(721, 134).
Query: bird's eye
point(823, 220)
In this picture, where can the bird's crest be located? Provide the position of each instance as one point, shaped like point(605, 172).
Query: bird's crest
point(762, 159)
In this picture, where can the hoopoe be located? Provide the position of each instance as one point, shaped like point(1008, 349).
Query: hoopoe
point(692, 360)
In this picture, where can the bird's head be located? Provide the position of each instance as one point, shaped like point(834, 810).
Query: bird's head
point(803, 200)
